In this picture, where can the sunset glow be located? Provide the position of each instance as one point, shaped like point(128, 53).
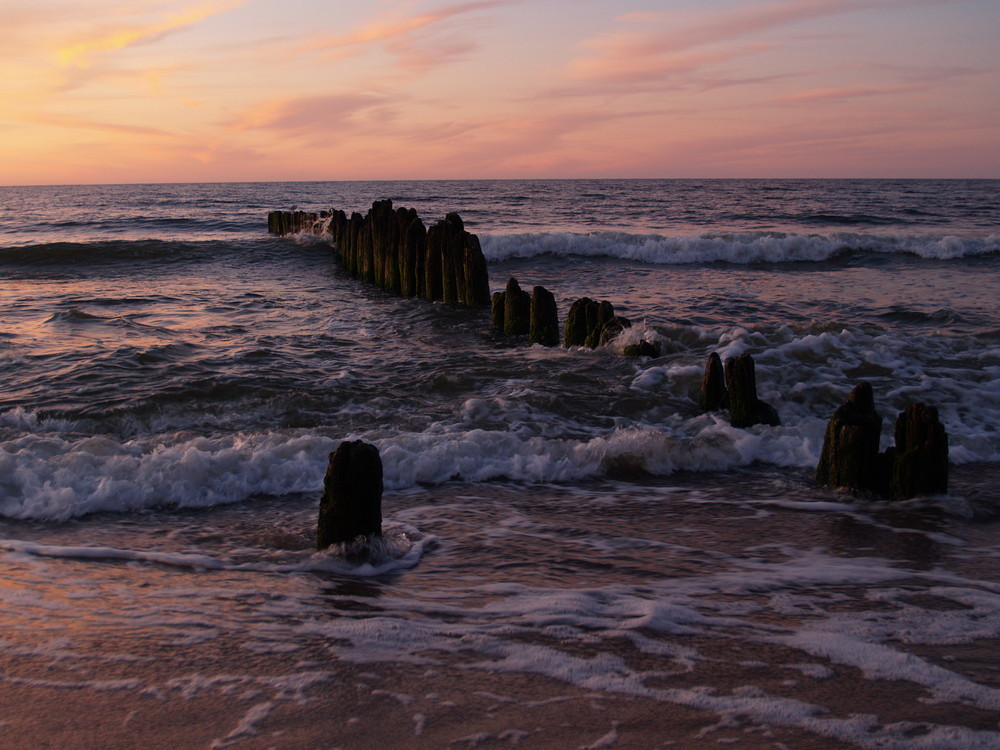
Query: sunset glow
point(231, 90)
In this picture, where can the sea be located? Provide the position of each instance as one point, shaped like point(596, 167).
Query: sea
point(574, 555)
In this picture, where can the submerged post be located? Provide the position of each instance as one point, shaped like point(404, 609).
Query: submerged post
point(352, 495)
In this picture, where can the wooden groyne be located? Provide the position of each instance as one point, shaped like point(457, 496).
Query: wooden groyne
point(392, 249)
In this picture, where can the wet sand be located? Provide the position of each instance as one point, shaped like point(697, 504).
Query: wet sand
point(624, 614)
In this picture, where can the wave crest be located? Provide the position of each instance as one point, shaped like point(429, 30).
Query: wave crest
point(736, 247)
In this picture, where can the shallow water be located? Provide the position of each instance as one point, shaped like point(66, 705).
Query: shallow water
point(779, 608)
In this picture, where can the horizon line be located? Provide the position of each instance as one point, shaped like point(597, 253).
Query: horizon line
point(506, 179)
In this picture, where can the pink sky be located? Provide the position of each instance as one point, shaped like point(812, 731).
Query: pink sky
point(221, 90)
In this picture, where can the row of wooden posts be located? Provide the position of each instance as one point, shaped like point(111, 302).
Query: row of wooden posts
point(392, 249)
point(589, 323)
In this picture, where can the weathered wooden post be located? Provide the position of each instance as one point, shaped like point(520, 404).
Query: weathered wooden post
point(517, 309)
point(498, 305)
point(352, 495)
point(575, 330)
point(918, 464)
point(413, 253)
point(477, 279)
point(745, 409)
point(544, 323)
point(597, 315)
point(713, 384)
point(850, 456)
point(613, 327)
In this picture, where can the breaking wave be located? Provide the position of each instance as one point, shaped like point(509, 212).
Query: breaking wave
point(737, 247)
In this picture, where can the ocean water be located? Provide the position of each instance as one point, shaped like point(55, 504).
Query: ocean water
point(574, 555)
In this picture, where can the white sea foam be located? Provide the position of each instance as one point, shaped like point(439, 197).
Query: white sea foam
point(53, 469)
point(399, 548)
point(726, 604)
point(736, 247)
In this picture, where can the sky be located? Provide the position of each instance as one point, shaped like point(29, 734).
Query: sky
point(126, 91)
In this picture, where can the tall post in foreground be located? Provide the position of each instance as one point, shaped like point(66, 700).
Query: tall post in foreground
point(352, 495)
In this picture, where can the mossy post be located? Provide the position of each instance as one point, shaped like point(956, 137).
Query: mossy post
point(713, 384)
point(352, 495)
point(544, 318)
point(476, 291)
point(613, 328)
point(592, 323)
point(918, 464)
point(413, 254)
point(850, 456)
point(597, 316)
point(575, 331)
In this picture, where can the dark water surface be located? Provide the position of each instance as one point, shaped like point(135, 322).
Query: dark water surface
point(565, 529)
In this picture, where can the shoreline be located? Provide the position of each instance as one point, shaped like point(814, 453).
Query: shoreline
point(694, 612)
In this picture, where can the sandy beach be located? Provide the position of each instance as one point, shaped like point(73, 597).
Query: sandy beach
point(639, 626)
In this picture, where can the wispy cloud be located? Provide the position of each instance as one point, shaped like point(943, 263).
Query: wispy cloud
point(418, 41)
point(78, 123)
point(308, 115)
point(78, 51)
point(814, 96)
point(655, 45)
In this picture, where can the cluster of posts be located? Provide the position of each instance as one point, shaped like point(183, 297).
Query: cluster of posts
point(733, 386)
point(850, 458)
point(916, 465)
point(392, 249)
point(589, 323)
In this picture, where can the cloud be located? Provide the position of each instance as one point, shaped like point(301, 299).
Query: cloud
point(813, 96)
point(306, 115)
point(407, 37)
point(78, 123)
point(627, 67)
point(79, 51)
point(658, 44)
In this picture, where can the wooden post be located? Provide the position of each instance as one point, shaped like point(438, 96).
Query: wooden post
point(918, 464)
point(850, 456)
point(544, 318)
point(352, 495)
point(745, 409)
point(517, 310)
point(713, 384)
